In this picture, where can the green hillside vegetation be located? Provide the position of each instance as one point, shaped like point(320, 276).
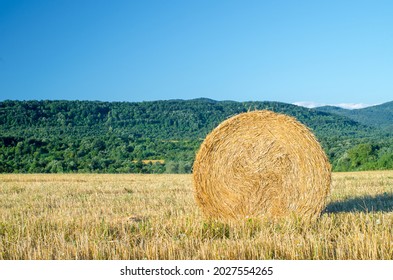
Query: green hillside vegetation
point(377, 116)
point(158, 136)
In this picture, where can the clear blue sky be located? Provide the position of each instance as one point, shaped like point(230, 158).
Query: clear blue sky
point(320, 51)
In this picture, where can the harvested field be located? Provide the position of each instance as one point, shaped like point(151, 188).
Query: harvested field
point(156, 217)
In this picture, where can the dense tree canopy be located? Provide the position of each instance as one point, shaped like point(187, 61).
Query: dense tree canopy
point(157, 137)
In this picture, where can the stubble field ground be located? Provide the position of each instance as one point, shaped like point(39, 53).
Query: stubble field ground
point(91, 216)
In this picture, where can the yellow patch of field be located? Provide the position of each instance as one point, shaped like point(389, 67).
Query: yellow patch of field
point(147, 161)
point(91, 216)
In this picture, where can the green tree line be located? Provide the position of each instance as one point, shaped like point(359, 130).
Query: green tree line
point(157, 137)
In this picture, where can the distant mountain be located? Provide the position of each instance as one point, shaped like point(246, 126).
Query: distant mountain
point(380, 116)
point(332, 109)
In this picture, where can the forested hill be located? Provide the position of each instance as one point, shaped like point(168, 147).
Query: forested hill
point(378, 116)
point(157, 136)
point(169, 120)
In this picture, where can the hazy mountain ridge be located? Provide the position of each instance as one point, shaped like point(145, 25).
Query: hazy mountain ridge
point(377, 116)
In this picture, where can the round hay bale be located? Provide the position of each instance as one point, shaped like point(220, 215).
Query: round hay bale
point(259, 164)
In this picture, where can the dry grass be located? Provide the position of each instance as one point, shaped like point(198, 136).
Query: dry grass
point(155, 217)
point(261, 164)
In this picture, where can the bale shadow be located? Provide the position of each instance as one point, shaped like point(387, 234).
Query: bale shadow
point(378, 203)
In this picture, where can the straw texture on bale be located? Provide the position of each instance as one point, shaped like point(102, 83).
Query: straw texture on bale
point(261, 164)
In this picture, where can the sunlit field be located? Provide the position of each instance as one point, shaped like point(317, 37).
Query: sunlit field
point(155, 217)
